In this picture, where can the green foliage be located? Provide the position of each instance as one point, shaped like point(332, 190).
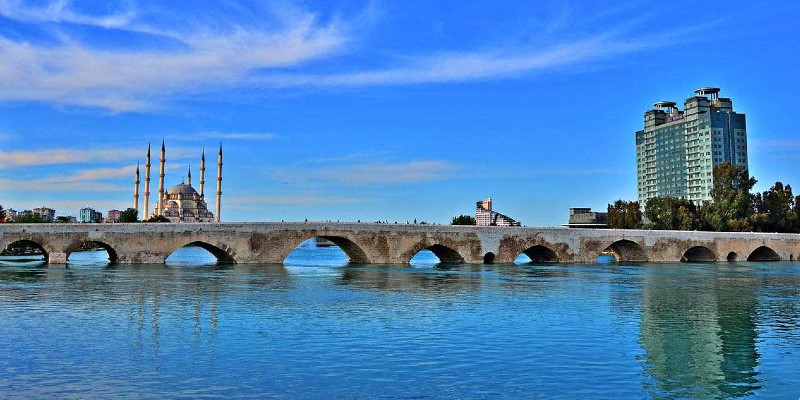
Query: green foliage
point(157, 218)
point(671, 213)
point(732, 205)
point(776, 210)
point(30, 219)
point(129, 215)
point(625, 215)
point(463, 220)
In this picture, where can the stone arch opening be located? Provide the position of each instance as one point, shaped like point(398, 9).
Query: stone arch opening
point(91, 252)
point(489, 258)
point(537, 255)
point(436, 254)
point(626, 251)
point(763, 253)
point(732, 256)
point(699, 254)
point(199, 253)
point(24, 252)
point(326, 250)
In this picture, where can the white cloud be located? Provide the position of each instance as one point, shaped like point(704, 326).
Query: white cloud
point(71, 72)
point(12, 159)
point(211, 58)
point(371, 173)
point(60, 11)
point(297, 200)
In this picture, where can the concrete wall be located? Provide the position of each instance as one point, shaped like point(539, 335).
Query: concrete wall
point(397, 244)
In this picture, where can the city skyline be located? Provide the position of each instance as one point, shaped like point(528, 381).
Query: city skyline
point(375, 111)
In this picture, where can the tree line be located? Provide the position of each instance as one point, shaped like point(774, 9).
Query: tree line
point(733, 208)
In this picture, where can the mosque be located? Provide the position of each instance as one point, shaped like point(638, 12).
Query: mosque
point(180, 203)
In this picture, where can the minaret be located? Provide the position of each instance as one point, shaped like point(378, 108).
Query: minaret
point(160, 203)
point(146, 212)
point(219, 180)
point(189, 178)
point(136, 190)
point(202, 173)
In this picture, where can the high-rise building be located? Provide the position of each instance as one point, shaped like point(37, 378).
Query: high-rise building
point(677, 150)
point(90, 215)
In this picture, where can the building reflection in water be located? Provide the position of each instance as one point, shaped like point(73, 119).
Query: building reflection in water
point(699, 335)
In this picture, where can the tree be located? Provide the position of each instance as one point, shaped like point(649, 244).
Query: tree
point(2, 215)
point(775, 208)
point(463, 220)
point(30, 219)
point(732, 205)
point(157, 218)
point(625, 215)
point(129, 215)
point(671, 213)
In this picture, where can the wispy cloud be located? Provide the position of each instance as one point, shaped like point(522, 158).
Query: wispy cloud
point(17, 159)
point(298, 200)
point(211, 58)
point(59, 11)
point(13, 159)
point(371, 173)
point(127, 79)
point(94, 180)
point(774, 145)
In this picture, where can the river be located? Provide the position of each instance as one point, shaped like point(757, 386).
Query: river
point(316, 328)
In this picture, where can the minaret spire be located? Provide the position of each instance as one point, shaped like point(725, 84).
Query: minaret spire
point(189, 178)
point(160, 204)
point(136, 190)
point(146, 212)
point(219, 181)
point(202, 172)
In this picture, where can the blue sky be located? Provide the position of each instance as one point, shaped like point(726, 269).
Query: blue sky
point(376, 110)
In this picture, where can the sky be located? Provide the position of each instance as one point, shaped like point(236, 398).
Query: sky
point(376, 110)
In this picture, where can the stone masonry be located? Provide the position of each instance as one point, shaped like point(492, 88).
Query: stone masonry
point(397, 243)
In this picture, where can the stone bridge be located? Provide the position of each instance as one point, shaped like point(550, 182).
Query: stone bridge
point(269, 242)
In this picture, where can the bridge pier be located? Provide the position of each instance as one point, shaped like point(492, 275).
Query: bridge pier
point(57, 257)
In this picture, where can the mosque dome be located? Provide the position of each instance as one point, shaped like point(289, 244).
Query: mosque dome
point(183, 189)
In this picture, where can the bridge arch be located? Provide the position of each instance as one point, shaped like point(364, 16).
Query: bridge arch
point(222, 252)
point(445, 254)
point(25, 246)
point(732, 256)
point(627, 251)
point(541, 254)
point(489, 258)
point(763, 253)
point(354, 252)
point(699, 254)
point(113, 258)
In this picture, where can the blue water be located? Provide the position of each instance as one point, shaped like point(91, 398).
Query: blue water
point(317, 328)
